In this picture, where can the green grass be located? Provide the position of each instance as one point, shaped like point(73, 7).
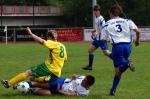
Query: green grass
point(16, 58)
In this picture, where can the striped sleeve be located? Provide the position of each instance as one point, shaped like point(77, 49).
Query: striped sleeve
point(104, 33)
point(102, 22)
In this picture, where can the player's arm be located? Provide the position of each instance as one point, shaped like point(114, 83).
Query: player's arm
point(74, 76)
point(35, 37)
point(43, 92)
point(104, 35)
point(65, 52)
point(67, 93)
point(94, 34)
point(136, 30)
point(137, 41)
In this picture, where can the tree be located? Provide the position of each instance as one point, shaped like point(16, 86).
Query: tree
point(30, 2)
point(137, 10)
point(78, 13)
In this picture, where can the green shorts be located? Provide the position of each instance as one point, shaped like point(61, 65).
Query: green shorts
point(41, 70)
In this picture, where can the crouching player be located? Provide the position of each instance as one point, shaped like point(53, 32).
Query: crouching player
point(77, 86)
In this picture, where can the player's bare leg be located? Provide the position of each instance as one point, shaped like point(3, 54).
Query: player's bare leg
point(106, 52)
point(39, 85)
point(42, 92)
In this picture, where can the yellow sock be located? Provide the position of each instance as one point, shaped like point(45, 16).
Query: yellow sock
point(40, 79)
point(18, 78)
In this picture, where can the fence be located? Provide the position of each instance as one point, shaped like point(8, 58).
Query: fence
point(29, 10)
point(15, 34)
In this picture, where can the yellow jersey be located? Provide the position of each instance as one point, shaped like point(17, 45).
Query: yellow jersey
point(56, 57)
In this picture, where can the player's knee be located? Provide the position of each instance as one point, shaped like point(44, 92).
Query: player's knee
point(32, 78)
point(118, 72)
point(28, 73)
point(106, 52)
point(90, 51)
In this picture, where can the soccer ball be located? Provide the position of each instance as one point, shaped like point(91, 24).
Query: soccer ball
point(23, 87)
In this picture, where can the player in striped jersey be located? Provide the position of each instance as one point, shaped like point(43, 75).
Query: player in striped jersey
point(100, 22)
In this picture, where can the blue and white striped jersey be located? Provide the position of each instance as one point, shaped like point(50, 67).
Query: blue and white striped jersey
point(99, 24)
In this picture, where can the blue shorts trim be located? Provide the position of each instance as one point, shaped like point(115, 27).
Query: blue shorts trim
point(53, 84)
point(101, 44)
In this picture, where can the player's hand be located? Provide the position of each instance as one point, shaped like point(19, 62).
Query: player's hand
point(137, 43)
point(74, 76)
point(58, 88)
point(28, 30)
point(94, 32)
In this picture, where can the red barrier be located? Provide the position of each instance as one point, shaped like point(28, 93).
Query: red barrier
point(70, 34)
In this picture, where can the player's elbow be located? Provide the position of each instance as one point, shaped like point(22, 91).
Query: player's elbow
point(137, 31)
point(41, 41)
point(106, 52)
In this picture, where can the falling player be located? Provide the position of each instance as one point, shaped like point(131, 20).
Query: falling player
point(77, 86)
point(53, 64)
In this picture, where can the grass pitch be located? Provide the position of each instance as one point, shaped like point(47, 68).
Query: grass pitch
point(16, 58)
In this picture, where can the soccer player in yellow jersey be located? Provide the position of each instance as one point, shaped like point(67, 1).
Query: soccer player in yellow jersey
point(51, 67)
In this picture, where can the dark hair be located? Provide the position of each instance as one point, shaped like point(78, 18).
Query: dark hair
point(97, 7)
point(116, 10)
point(52, 34)
point(90, 80)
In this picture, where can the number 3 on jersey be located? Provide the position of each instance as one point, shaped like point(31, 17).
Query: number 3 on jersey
point(118, 28)
point(61, 54)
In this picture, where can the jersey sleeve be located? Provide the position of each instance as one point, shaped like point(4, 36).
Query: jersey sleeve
point(104, 34)
point(80, 77)
point(132, 25)
point(100, 24)
point(102, 21)
point(49, 44)
point(96, 27)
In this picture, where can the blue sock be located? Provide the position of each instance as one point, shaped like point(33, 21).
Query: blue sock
point(91, 58)
point(115, 82)
point(110, 56)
